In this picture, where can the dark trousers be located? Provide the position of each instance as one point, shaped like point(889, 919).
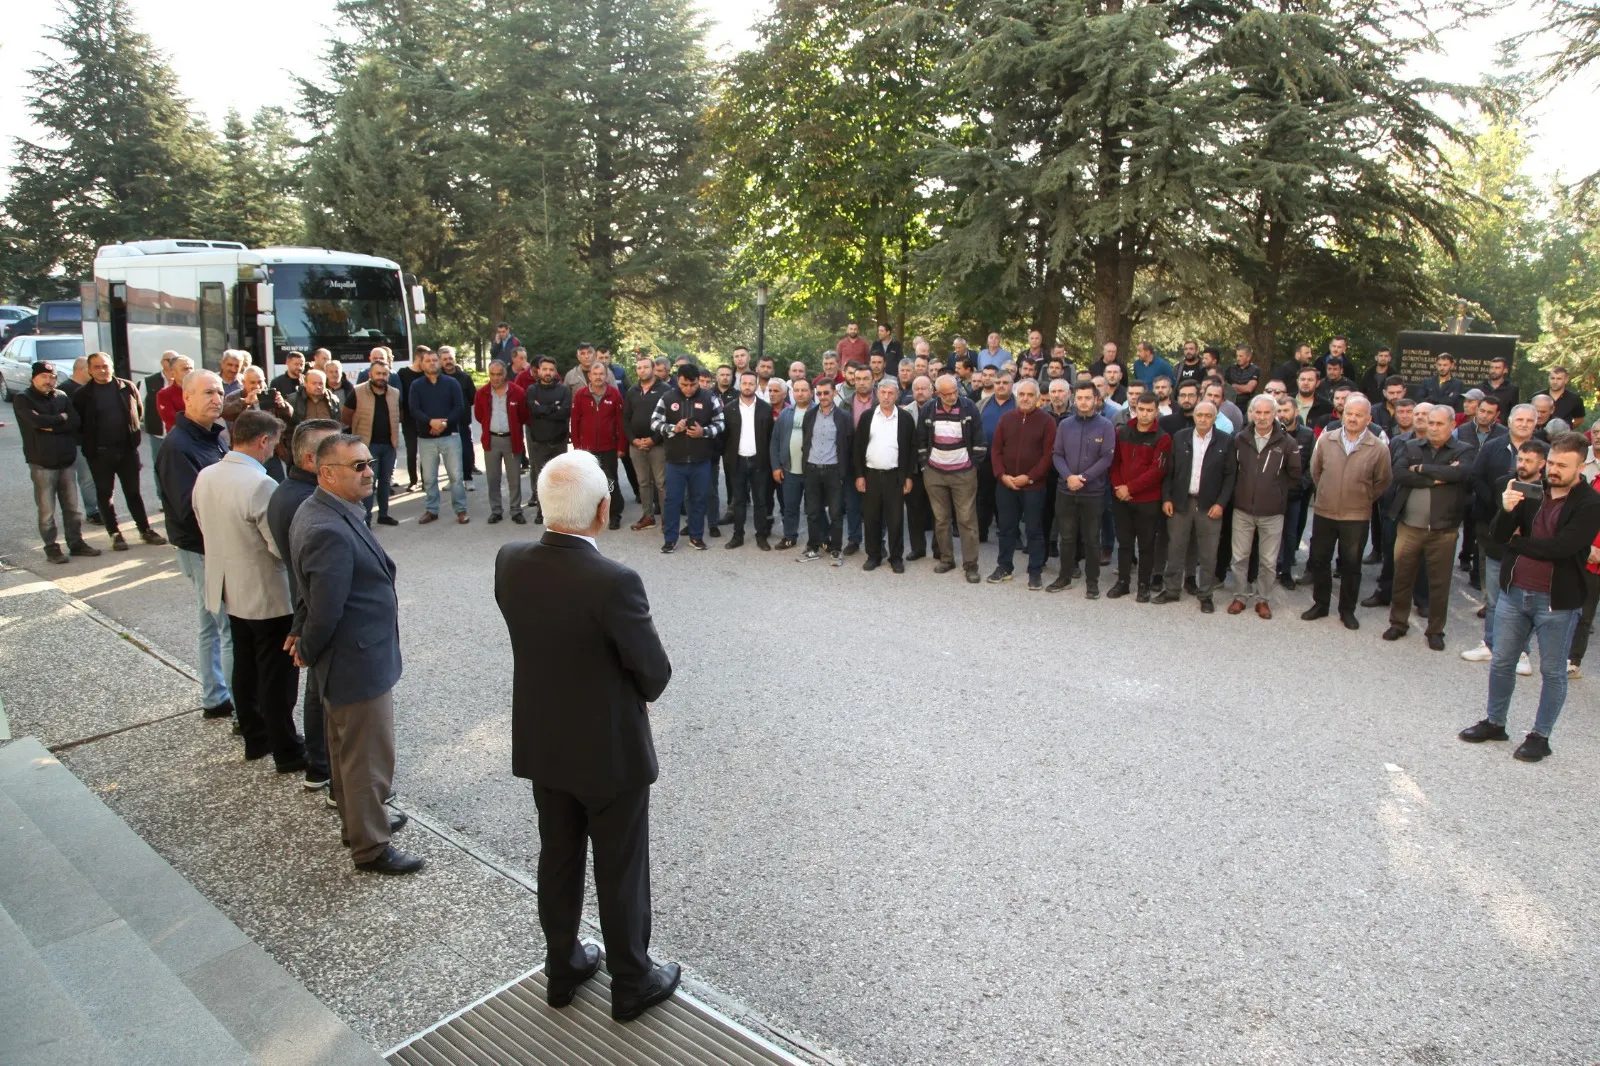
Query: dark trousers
point(1349, 538)
point(619, 828)
point(919, 515)
point(1386, 552)
point(852, 507)
point(108, 468)
point(383, 458)
point(540, 453)
point(1024, 506)
point(748, 473)
point(408, 433)
point(1294, 527)
point(824, 506)
point(315, 717)
point(1420, 552)
point(986, 492)
point(608, 463)
point(469, 464)
point(1136, 527)
point(266, 686)
point(1580, 633)
point(633, 477)
point(883, 510)
point(1075, 514)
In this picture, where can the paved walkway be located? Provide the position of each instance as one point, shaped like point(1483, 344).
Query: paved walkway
point(925, 823)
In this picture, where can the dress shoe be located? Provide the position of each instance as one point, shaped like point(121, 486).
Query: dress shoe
point(495, 518)
point(659, 984)
point(714, 531)
point(1533, 748)
point(763, 543)
point(1482, 731)
point(386, 520)
point(54, 553)
point(427, 516)
point(898, 567)
point(81, 548)
point(727, 518)
point(1169, 596)
point(392, 862)
point(1483, 611)
point(913, 556)
point(972, 575)
point(1314, 612)
point(221, 710)
point(538, 516)
point(1287, 581)
point(1394, 632)
point(560, 990)
point(1377, 599)
point(1349, 619)
point(1143, 595)
point(462, 518)
point(1236, 607)
point(1207, 605)
point(150, 536)
point(735, 541)
point(851, 547)
point(870, 564)
point(616, 523)
point(1118, 590)
point(519, 519)
point(1263, 611)
point(644, 523)
point(117, 543)
point(942, 567)
point(1436, 641)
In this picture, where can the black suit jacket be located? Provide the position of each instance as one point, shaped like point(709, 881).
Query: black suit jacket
point(733, 425)
point(907, 439)
point(587, 660)
point(1217, 471)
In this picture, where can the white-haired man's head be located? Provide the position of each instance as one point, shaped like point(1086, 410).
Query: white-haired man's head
point(574, 494)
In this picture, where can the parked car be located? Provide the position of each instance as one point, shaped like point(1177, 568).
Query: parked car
point(18, 357)
point(10, 313)
point(53, 316)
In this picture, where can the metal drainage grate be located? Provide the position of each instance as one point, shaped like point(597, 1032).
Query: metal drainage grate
point(516, 1027)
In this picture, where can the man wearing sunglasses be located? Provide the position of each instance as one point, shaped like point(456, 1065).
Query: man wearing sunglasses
point(346, 631)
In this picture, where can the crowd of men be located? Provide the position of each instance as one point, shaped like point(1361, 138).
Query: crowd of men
point(1171, 475)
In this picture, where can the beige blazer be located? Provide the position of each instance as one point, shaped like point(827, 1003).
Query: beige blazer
point(244, 575)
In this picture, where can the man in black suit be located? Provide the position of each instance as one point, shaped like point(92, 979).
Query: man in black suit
point(747, 433)
point(1197, 488)
point(885, 461)
point(581, 733)
point(346, 631)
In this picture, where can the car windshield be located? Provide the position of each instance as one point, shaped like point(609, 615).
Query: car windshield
point(57, 349)
point(11, 314)
point(341, 308)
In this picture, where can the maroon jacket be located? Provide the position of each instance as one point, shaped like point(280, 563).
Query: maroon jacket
point(597, 427)
point(1141, 462)
point(1022, 445)
point(516, 413)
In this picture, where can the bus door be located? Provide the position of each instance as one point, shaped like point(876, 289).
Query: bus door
point(119, 331)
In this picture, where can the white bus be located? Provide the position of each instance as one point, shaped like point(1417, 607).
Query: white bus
point(200, 297)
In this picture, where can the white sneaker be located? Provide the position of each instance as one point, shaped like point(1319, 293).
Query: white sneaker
point(1524, 667)
point(1574, 671)
point(1480, 654)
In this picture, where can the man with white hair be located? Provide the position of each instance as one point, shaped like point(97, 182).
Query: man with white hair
point(1350, 468)
point(1268, 463)
point(1428, 507)
point(581, 733)
point(231, 366)
point(1195, 491)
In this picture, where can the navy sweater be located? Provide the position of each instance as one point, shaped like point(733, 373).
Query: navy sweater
point(427, 400)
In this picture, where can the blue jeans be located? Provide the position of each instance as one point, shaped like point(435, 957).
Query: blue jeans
point(692, 479)
point(383, 456)
point(1016, 505)
point(216, 638)
point(429, 451)
point(852, 511)
point(91, 506)
point(791, 491)
point(1518, 614)
point(1491, 594)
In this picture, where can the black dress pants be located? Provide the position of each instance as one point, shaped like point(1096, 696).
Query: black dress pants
point(986, 487)
point(824, 507)
point(619, 827)
point(266, 687)
point(409, 432)
point(1136, 527)
point(746, 476)
point(883, 511)
point(108, 468)
point(608, 463)
point(1350, 538)
point(919, 515)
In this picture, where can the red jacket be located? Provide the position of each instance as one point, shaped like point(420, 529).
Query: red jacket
point(597, 427)
point(1022, 445)
point(1140, 462)
point(516, 413)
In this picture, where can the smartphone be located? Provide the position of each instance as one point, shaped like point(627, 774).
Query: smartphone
point(1531, 490)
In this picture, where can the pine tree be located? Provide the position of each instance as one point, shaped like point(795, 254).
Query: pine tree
point(123, 157)
point(256, 199)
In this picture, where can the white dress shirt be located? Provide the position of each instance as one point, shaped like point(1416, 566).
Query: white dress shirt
point(747, 429)
point(883, 441)
point(1201, 444)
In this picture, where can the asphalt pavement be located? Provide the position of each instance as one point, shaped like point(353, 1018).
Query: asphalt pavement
point(923, 822)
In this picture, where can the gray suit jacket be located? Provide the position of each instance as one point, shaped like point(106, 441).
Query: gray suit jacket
point(348, 617)
point(243, 571)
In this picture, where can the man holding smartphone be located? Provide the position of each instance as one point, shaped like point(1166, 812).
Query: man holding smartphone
point(1547, 541)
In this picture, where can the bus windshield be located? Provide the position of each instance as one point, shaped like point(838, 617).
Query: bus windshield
point(346, 309)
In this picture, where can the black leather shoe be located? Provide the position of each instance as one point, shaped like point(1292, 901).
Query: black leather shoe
point(1377, 599)
point(1349, 619)
point(1207, 605)
point(386, 520)
point(1482, 731)
point(735, 541)
point(1394, 632)
point(870, 564)
point(1314, 612)
point(496, 518)
point(943, 567)
point(913, 556)
point(1532, 749)
point(392, 862)
point(658, 987)
point(397, 822)
point(1287, 581)
point(519, 518)
point(898, 568)
point(851, 547)
point(1169, 596)
point(762, 542)
point(1143, 595)
point(1191, 586)
point(221, 710)
point(1118, 590)
point(1436, 641)
point(560, 991)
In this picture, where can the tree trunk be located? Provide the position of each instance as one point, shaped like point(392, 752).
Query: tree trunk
point(1264, 309)
point(905, 279)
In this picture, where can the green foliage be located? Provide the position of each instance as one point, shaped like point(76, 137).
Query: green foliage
point(122, 157)
point(256, 200)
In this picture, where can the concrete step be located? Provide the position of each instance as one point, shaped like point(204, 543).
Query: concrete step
point(41, 1023)
point(156, 972)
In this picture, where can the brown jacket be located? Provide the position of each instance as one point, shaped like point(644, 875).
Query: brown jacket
point(358, 415)
point(1348, 485)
